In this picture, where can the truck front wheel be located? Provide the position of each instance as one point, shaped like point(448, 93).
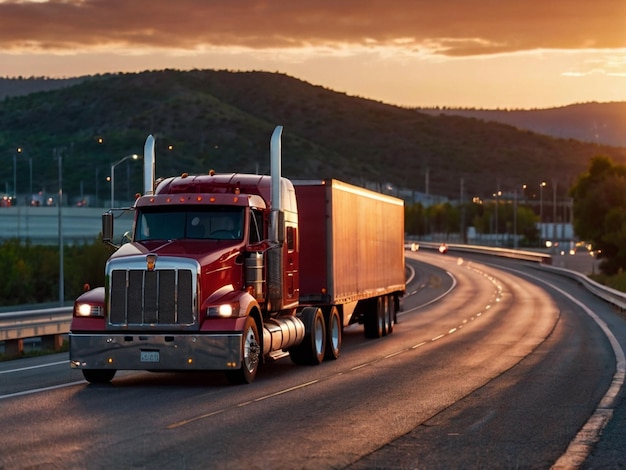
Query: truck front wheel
point(311, 350)
point(99, 376)
point(251, 355)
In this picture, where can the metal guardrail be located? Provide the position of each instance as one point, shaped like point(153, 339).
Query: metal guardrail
point(611, 296)
point(33, 323)
point(523, 255)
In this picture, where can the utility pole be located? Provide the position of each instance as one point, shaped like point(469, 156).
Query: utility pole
point(60, 224)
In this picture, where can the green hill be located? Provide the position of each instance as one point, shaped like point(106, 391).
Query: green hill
point(603, 123)
point(222, 120)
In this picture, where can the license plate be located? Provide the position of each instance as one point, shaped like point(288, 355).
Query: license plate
point(149, 356)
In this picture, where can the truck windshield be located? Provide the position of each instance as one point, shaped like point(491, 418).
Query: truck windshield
point(212, 223)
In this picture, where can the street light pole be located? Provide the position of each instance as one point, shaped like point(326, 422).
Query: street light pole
point(497, 196)
point(17, 150)
point(59, 156)
point(515, 244)
point(134, 156)
point(541, 186)
point(30, 168)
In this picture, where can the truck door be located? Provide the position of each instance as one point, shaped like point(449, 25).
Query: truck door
point(291, 276)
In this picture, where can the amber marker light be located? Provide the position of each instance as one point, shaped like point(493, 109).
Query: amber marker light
point(211, 199)
point(198, 198)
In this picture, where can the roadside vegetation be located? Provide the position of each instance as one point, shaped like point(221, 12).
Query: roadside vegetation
point(599, 202)
point(30, 273)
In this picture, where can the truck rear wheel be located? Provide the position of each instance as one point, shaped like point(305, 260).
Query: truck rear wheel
point(375, 318)
point(311, 350)
point(333, 334)
point(99, 376)
point(389, 314)
point(250, 353)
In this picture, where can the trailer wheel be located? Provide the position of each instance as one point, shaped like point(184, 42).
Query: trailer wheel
point(389, 314)
point(251, 354)
point(311, 350)
point(375, 319)
point(99, 376)
point(333, 334)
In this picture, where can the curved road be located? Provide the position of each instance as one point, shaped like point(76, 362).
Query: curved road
point(489, 367)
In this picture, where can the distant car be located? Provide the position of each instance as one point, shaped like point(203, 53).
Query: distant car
point(443, 248)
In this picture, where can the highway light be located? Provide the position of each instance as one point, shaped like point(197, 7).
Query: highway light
point(134, 156)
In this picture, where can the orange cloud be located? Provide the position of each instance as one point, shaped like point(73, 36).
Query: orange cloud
point(447, 27)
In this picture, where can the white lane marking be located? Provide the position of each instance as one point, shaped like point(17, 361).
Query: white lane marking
point(38, 390)
point(33, 367)
point(582, 445)
point(436, 298)
point(239, 405)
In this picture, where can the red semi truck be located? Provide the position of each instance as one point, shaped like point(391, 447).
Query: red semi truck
point(224, 271)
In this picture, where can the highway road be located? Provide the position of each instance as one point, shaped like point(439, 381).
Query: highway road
point(493, 364)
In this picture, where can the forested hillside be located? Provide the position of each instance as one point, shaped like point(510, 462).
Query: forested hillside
point(600, 123)
point(222, 120)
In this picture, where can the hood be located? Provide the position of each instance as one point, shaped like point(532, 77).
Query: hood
point(205, 252)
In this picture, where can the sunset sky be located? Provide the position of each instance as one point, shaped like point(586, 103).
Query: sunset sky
point(466, 53)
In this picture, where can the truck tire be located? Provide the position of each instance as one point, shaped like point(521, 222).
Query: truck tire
point(375, 319)
point(99, 376)
point(389, 314)
point(333, 333)
point(250, 353)
point(313, 347)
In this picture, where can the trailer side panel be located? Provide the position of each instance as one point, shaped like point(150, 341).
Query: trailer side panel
point(353, 247)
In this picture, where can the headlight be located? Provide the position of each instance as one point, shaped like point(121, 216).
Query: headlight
point(88, 310)
point(224, 310)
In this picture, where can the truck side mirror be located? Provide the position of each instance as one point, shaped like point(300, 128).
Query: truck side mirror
point(107, 227)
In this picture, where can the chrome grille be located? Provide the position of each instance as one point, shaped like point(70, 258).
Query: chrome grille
point(161, 297)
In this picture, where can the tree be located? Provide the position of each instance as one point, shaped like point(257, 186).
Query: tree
point(600, 211)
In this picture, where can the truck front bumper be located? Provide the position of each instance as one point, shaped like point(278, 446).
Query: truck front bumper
point(155, 352)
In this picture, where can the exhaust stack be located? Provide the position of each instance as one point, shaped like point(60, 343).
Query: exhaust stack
point(148, 166)
point(275, 172)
